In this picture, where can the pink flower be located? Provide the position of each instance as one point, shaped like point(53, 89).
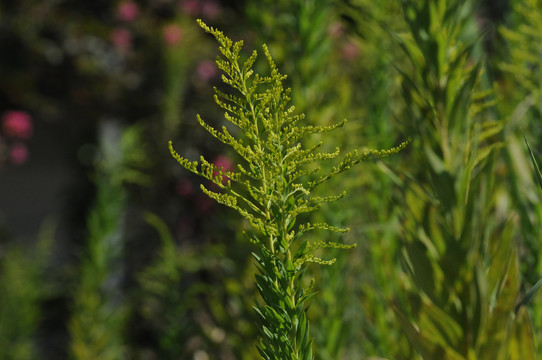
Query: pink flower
point(121, 39)
point(211, 9)
point(206, 70)
point(172, 34)
point(17, 124)
point(223, 162)
point(127, 11)
point(190, 7)
point(18, 153)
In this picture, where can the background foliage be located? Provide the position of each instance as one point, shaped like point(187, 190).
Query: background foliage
point(108, 247)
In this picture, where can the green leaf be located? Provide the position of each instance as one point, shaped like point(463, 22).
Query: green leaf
point(424, 344)
point(527, 298)
point(535, 164)
point(522, 345)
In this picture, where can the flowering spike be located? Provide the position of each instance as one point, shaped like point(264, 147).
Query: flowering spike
point(272, 187)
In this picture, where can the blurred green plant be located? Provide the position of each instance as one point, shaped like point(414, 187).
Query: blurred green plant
point(533, 290)
point(537, 172)
point(180, 60)
point(372, 275)
point(23, 288)
point(521, 87)
point(187, 316)
point(98, 320)
point(459, 254)
point(273, 192)
point(524, 43)
point(163, 304)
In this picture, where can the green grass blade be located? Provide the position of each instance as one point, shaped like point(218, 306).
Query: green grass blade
point(533, 290)
point(533, 159)
point(529, 295)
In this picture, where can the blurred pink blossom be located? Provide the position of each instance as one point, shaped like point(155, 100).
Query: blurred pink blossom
point(206, 70)
point(18, 153)
point(17, 124)
point(172, 34)
point(127, 11)
point(190, 7)
point(211, 9)
point(184, 188)
point(223, 162)
point(121, 38)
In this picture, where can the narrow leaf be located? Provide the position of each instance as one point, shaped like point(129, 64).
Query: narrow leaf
point(535, 164)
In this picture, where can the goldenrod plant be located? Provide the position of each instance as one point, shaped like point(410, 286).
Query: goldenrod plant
point(459, 253)
point(308, 40)
point(272, 190)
